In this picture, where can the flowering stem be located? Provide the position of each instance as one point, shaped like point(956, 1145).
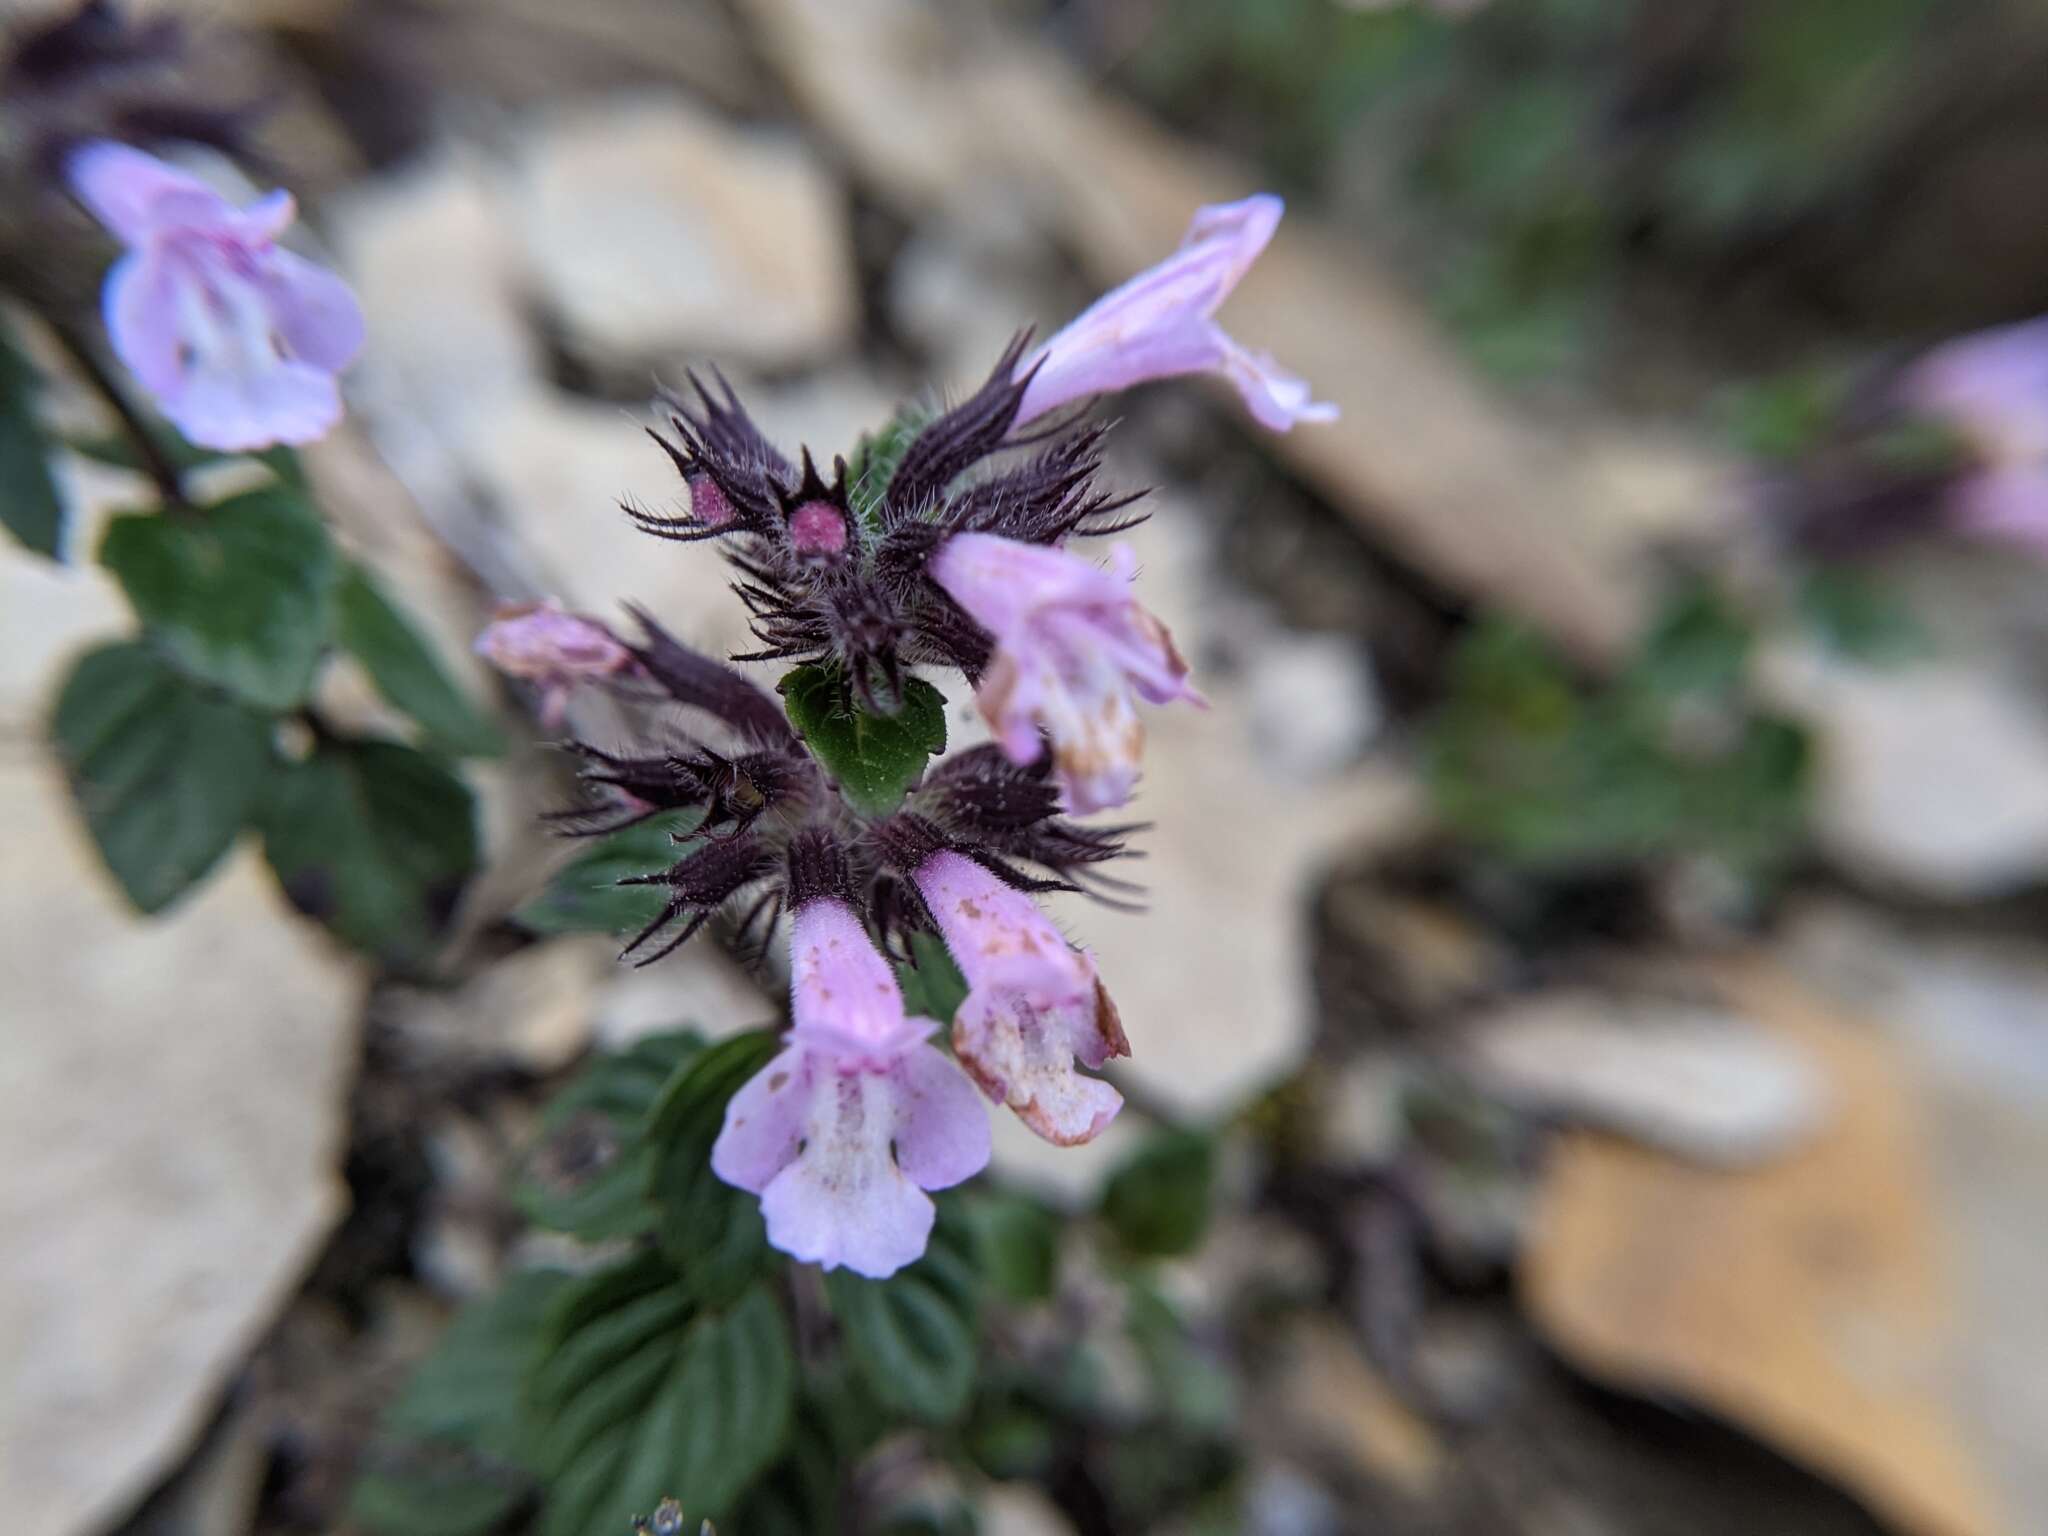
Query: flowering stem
point(154, 461)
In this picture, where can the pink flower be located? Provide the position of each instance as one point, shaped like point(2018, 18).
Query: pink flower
point(1992, 389)
point(844, 1131)
point(1072, 647)
point(1034, 1004)
point(1160, 324)
point(238, 339)
point(553, 649)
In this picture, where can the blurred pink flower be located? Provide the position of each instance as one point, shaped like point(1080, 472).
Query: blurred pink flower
point(237, 338)
point(1072, 648)
point(843, 1132)
point(1160, 324)
point(1034, 1003)
point(553, 649)
point(1991, 389)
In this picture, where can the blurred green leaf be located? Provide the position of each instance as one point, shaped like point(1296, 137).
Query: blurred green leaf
point(1157, 1201)
point(641, 1395)
point(585, 895)
point(875, 758)
point(933, 988)
point(711, 1232)
point(1191, 1389)
point(587, 1173)
point(30, 504)
point(402, 664)
point(877, 456)
point(1699, 644)
point(451, 1457)
point(239, 593)
point(373, 839)
point(1857, 615)
point(913, 1337)
point(1016, 1243)
point(165, 772)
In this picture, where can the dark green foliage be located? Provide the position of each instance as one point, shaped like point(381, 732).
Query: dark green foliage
point(585, 895)
point(587, 1174)
point(165, 772)
point(239, 594)
point(875, 460)
point(1669, 760)
point(641, 1393)
point(373, 839)
point(403, 666)
point(710, 1231)
point(913, 1337)
point(1016, 1243)
point(30, 505)
point(451, 1457)
point(1191, 1389)
point(1858, 615)
point(875, 758)
point(933, 988)
point(1157, 1202)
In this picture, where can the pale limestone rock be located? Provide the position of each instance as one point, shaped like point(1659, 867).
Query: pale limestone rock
point(172, 1111)
point(1314, 703)
point(655, 231)
point(535, 1009)
point(1212, 978)
point(698, 987)
point(1933, 776)
point(1696, 1080)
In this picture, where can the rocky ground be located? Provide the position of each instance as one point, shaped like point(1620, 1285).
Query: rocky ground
point(1700, 1237)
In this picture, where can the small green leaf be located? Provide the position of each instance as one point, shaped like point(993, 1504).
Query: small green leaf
point(913, 1337)
point(403, 666)
point(1191, 1389)
point(933, 988)
point(1157, 1203)
point(238, 593)
point(585, 895)
point(587, 1174)
point(451, 1457)
point(30, 505)
point(641, 1395)
point(165, 772)
point(1017, 1244)
point(876, 458)
point(710, 1231)
point(373, 839)
point(875, 758)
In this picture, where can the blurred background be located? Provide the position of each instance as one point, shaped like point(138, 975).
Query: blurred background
point(1591, 1011)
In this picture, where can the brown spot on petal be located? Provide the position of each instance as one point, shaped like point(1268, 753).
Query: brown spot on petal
point(968, 908)
point(1109, 1025)
point(776, 1080)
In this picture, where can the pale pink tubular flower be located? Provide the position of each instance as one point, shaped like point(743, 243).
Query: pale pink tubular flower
point(1161, 324)
point(1991, 388)
point(1034, 1003)
point(555, 650)
point(1072, 648)
point(237, 338)
point(843, 1132)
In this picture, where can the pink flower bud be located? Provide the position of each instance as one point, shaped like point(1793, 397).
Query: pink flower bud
point(1072, 648)
point(553, 649)
point(817, 528)
point(1992, 389)
point(1034, 1004)
point(237, 338)
point(1161, 324)
point(843, 1132)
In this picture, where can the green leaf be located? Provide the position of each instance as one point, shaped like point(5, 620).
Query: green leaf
point(1191, 1389)
point(710, 1231)
point(876, 458)
point(1699, 645)
point(1016, 1242)
point(913, 1336)
point(452, 1458)
point(239, 593)
point(165, 772)
point(585, 895)
point(402, 664)
point(875, 758)
point(30, 505)
point(1157, 1202)
point(587, 1173)
point(373, 839)
point(933, 988)
point(641, 1395)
